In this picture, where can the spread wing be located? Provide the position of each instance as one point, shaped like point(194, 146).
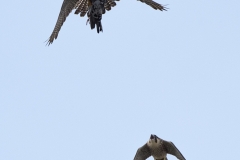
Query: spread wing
point(67, 7)
point(172, 149)
point(81, 6)
point(154, 5)
point(143, 153)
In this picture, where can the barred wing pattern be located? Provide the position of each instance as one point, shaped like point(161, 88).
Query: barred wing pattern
point(172, 149)
point(143, 153)
point(109, 4)
point(154, 5)
point(81, 6)
point(67, 7)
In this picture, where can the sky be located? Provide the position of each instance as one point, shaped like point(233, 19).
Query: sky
point(175, 74)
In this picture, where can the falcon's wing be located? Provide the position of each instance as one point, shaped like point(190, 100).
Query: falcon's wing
point(83, 6)
point(67, 7)
point(154, 5)
point(109, 4)
point(143, 153)
point(172, 149)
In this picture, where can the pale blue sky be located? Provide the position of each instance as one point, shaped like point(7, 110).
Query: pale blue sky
point(175, 74)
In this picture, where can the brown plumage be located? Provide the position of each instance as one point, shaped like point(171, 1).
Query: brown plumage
point(82, 7)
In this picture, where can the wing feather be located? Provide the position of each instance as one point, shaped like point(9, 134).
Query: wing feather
point(172, 149)
point(82, 7)
point(67, 7)
point(109, 4)
point(154, 5)
point(143, 153)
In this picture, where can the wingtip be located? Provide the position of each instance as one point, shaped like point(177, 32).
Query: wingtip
point(48, 42)
point(165, 8)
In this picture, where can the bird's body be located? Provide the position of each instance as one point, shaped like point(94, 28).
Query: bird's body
point(158, 148)
point(94, 10)
point(95, 14)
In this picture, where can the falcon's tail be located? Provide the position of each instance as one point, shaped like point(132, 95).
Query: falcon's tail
point(95, 22)
point(95, 14)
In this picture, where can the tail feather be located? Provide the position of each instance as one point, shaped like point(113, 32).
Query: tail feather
point(99, 26)
point(92, 22)
point(95, 22)
point(95, 15)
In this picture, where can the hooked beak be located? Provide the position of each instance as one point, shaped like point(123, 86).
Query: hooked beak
point(153, 137)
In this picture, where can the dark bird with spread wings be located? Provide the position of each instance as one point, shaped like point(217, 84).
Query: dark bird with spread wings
point(94, 10)
point(158, 148)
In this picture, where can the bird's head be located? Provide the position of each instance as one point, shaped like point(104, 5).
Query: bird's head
point(153, 140)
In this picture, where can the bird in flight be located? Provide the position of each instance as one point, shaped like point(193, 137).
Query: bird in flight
point(158, 148)
point(94, 10)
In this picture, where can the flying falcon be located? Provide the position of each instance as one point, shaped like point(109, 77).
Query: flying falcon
point(158, 148)
point(94, 10)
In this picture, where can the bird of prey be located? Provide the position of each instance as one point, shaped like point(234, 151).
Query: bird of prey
point(158, 148)
point(94, 10)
